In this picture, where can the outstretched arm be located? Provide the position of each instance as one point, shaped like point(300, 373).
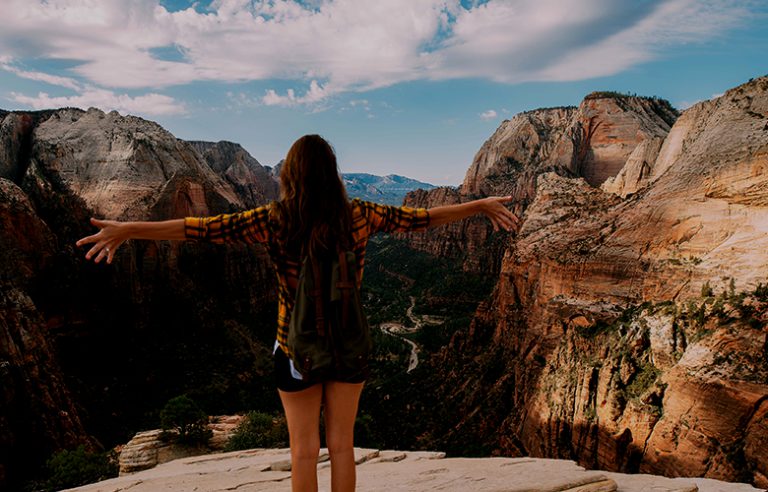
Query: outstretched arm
point(113, 233)
point(492, 207)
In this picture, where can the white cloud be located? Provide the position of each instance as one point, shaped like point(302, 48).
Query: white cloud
point(543, 41)
point(241, 99)
point(315, 94)
point(66, 82)
point(337, 46)
point(488, 115)
point(148, 104)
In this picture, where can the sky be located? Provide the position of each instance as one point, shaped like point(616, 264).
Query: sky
point(409, 87)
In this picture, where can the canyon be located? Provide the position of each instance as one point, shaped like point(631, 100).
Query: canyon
point(626, 329)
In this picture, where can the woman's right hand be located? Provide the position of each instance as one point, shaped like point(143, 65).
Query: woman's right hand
point(111, 235)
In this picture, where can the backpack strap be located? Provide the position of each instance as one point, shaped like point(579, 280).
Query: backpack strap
point(317, 293)
point(345, 284)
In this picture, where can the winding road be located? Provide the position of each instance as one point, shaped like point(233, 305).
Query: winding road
point(398, 330)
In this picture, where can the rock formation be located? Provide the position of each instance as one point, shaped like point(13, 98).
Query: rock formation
point(71, 328)
point(628, 330)
point(636, 173)
point(265, 470)
point(251, 181)
point(39, 414)
point(148, 449)
point(593, 141)
point(127, 168)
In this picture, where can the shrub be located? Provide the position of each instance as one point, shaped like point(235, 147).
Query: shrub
point(73, 468)
point(259, 430)
point(643, 380)
point(367, 433)
point(761, 291)
point(186, 419)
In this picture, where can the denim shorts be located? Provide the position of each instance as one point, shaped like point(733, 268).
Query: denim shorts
point(286, 379)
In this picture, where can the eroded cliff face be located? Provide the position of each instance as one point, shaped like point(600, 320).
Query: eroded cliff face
point(628, 330)
point(251, 181)
point(592, 141)
point(128, 168)
point(68, 327)
point(38, 413)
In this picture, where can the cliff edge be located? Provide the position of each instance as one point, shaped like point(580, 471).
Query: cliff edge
point(269, 470)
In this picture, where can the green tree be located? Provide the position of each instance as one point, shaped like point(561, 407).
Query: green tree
point(182, 416)
point(72, 468)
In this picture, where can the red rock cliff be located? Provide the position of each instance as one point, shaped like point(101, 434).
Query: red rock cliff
point(592, 141)
point(69, 327)
point(630, 333)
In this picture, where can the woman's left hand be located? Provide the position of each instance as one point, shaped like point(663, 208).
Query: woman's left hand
point(499, 215)
point(110, 236)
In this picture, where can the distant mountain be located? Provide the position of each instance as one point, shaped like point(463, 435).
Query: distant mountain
point(390, 189)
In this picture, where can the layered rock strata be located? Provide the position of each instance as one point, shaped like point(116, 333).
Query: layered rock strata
point(251, 181)
point(39, 414)
point(573, 368)
point(68, 327)
point(593, 141)
point(148, 449)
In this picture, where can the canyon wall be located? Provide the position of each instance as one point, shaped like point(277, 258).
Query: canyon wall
point(627, 329)
point(74, 356)
point(592, 141)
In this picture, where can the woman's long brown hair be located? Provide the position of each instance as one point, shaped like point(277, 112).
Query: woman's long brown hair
point(313, 212)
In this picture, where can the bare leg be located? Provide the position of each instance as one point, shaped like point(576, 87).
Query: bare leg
point(341, 401)
point(302, 410)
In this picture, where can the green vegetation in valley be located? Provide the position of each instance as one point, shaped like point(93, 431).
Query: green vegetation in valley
point(400, 410)
point(394, 272)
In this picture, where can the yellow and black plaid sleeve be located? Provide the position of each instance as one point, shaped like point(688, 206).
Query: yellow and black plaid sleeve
point(388, 218)
point(251, 226)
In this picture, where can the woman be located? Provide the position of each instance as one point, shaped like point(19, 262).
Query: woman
point(313, 215)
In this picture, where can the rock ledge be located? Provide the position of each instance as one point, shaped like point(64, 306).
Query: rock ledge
point(265, 470)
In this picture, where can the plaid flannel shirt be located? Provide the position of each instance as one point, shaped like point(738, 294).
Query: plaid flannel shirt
point(255, 226)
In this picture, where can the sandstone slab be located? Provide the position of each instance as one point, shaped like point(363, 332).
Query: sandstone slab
point(399, 471)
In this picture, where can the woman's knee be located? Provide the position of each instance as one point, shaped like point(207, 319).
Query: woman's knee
point(341, 400)
point(339, 442)
point(306, 448)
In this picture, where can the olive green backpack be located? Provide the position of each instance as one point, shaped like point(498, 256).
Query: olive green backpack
point(328, 334)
